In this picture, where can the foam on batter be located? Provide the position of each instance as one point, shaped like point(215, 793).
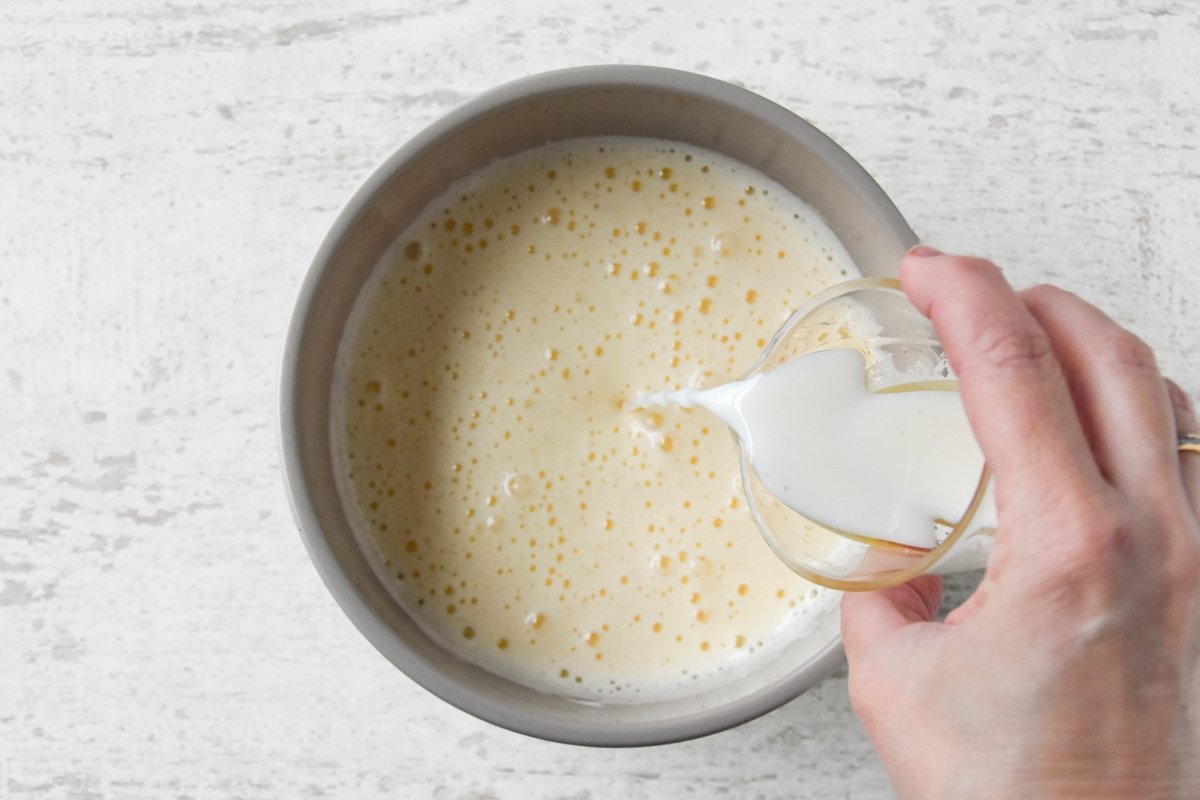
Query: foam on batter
point(521, 508)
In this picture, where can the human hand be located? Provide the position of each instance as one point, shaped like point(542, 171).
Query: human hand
point(1072, 671)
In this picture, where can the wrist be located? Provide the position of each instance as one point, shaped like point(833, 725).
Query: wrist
point(1157, 776)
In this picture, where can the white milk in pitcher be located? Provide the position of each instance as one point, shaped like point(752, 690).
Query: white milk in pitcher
point(522, 511)
point(894, 465)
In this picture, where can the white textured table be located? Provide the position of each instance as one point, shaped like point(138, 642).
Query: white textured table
point(166, 172)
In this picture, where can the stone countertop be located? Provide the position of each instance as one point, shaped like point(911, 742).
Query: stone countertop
point(167, 172)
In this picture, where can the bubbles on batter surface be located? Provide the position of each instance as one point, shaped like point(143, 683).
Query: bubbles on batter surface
point(526, 510)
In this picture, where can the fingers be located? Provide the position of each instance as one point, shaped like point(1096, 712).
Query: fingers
point(868, 618)
point(1118, 393)
point(1186, 422)
point(1014, 391)
point(970, 607)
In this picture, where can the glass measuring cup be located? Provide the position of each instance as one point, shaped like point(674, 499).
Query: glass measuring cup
point(902, 353)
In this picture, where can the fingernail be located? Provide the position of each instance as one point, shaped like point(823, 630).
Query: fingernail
point(924, 251)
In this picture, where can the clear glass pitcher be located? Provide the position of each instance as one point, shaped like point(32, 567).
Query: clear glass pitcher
point(901, 349)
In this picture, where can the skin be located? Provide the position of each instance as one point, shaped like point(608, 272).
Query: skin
point(1072, 672)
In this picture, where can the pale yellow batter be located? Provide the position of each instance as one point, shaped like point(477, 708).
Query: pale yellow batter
point(526, 514)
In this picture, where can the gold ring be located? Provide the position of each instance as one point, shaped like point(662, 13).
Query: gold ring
point(1189, 441)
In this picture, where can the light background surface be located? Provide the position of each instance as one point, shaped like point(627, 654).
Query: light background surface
point(166, 173)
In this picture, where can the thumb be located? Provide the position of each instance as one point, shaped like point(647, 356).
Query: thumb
point(870, 619)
